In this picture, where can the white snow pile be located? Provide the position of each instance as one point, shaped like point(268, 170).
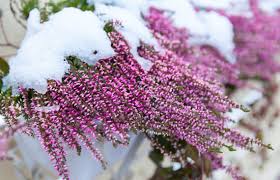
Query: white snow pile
point(246, 97)
point(136, 7)
point(219, 34)
point(71, 31)
point(41, 55)
point(208, 28)
point(270, 6)
point(235, 7)
point(132, 28)
point(2, 121)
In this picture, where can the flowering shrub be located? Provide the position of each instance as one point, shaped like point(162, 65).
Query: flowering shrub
point(257, 42)
point(179, 103)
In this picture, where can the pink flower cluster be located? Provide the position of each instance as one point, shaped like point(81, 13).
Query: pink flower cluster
point(181, 97)
point(257, 41)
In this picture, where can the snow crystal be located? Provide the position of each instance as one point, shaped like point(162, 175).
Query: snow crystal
point(42, 53)
point(132, 28)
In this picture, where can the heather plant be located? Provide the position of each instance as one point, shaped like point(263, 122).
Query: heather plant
point(257, 43)
point(117, 96)
point(208, 63)
point(179, 103)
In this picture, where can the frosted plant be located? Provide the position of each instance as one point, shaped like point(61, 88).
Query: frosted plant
point(116, 96)
point(104, 79)
point(205, 60)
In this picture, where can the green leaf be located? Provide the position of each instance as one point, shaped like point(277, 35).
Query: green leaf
point(109, 27)
point(215, 150)
point(244, 109)
point(4, 67)
point(156, 157)
point(192, 152)
point(230, 148)
point(27, 6)
point(269, 146)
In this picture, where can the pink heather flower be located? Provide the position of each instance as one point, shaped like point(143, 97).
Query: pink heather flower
point(116, 96)
point(257, 42)
point(180, 98)
point(217, 163)
point(205, 61)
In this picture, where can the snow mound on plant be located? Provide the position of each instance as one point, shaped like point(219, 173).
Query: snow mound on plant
point(132, 28)
point(205, 28)
point(41, 56)
point(219, 34)
point(269, 6)
point(234, 7)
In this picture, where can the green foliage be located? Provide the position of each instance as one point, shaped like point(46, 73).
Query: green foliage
point(269, 146)
point(81, 4)
point(27, 6)
point(230, 147)
point(4, 70)
point(53, 7)
point(4, 67)
point(76, 63)
point(181, 174)
point(244, 109)
point(109, 27)
point(194, 170)
point(156, 157)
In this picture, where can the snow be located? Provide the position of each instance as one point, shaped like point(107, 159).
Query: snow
point(132, 28)
point(136, 6)
point(183, 14)
point(219, 34)
point(47, 108)
point(215, 4)
point(269, 6)
point(92, 2)
point(245, 97)
point(205, 27)
point(234, 7)
point(33, 24)
point(2, 121)
point(41, 55)
point(74, 32)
